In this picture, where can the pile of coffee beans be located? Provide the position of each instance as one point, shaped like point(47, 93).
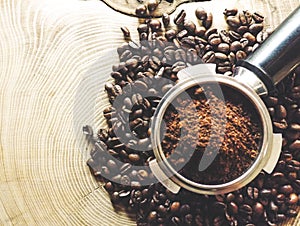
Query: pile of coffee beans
point(146, 71)
point(232, 150)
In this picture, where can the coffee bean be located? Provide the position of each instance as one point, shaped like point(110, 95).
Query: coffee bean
point(255, 28)
point(175, 206)
point(200, 31)
point(234, 35)
point(242, 29)
point(230, 12)
point(88, 130)
point(251, 38)
point(286, 189)
point(155, 25)
point(208, 21)
point(233, 208)
point(209, 57)
point(248, 16)
point(245, 209)
point(141, 10)
point(182, 34)
point(223, 48)
point(125, 31)
point(253, 192)
point(166, 19)
point(281, 125)
point(179, 18)
point(134, 158)
point(201, 14)
point(258, 209)
point(235, 46)
point(281, 112)
point(233, 21)
point(184, 209)
point(189, 26)
point(214, 39)
point(271, 101)
point(224, 36)
point(221, 56)
point(143, 28)
point(240, 55)
point(170, 34)
point(257, 17)
point(152, 5)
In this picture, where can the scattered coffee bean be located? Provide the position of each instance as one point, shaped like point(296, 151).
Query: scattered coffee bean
point(230, 12)
point(201, 14)
point(166, 19)
point(152, 5)
point(141, 10)
point(179, 18)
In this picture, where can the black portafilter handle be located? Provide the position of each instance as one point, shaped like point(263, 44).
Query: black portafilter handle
point(275, 58)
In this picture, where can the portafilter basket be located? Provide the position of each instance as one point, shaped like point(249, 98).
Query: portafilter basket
point(253, 77)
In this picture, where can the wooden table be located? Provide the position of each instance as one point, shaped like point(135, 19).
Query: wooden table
point(53, 62)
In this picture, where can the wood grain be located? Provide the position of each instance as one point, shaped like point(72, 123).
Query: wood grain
point(54, 59)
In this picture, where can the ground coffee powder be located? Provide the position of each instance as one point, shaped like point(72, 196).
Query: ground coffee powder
point(191, 124)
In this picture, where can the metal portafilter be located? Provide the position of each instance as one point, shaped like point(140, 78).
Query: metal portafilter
point(253, 77)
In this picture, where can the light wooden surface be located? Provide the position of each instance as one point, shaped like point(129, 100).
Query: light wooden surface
point(54, 58)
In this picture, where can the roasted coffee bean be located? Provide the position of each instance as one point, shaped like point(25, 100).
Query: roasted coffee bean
point(286, 189)
point(152, 5)
point(185, 209)
point(281, 112)
point(233, 208)
point(214, 40)
point(201, 14)
point(258, 209)
point(253, 192)
point(208, 21)
point(209, 57)
point(141, 10)
point(221, 56)
point(255, 28)
point(230, 12)
point(224, 36)
point(234, 36)
point(179, 18)
point(231, 58)
point(223, 48)
point(182, 34)
point(242, 29)
point(166, 19)
point(155, 25)
point(248, 16)
point(251, 38)
point(125, 31)
point(189, 26)
point(200, 31)
point(235, 46)
point(240, 55)
point(143, 28)
point(210, 32)
point(295, 145)
point(244, 42)
point(281, 125)
point(170, 34)
point(257, 17)
point(245, 209)
point(295, 127)
point(233, 21)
